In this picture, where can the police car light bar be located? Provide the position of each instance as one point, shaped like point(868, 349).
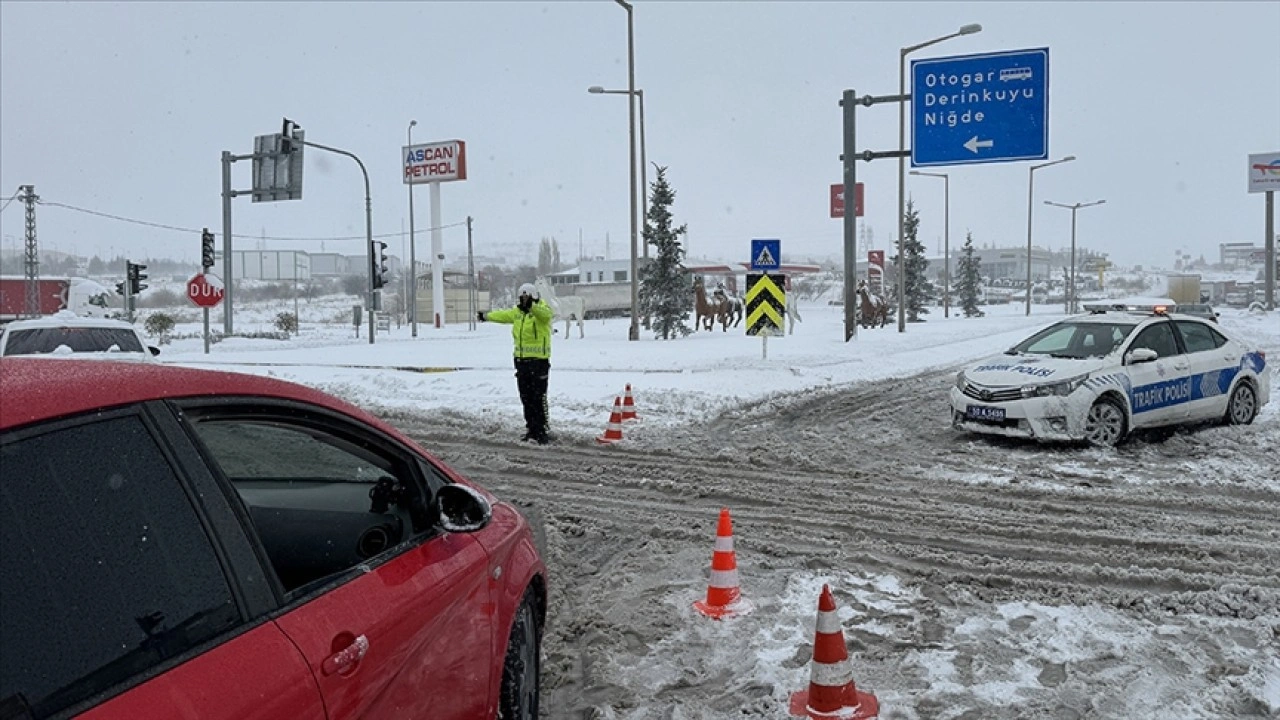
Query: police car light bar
point(1157, 306)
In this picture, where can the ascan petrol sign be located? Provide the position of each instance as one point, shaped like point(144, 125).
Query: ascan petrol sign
point(1264, 172)
point(434, 162)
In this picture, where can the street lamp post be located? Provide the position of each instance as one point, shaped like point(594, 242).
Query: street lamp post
point(413, 261)
point(902, 150)
point(644, 164)
point(634, 332)
point(946, 238)
point(1071, 292)
point(1031, 179)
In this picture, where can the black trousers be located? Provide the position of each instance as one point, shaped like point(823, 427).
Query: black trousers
point(531, 379)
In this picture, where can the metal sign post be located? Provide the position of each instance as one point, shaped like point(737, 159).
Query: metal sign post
point(277, 175)
point(849, 158)
point(1264, 177)
point(434, 163)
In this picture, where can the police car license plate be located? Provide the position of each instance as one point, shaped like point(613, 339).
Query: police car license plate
point(984, 413)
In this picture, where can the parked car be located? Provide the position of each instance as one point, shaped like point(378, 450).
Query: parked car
point(1200, 310)
point(1099, 376)
point(181, 542)
point(64, 333)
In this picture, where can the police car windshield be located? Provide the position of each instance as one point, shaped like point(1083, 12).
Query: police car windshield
point(1075, 340)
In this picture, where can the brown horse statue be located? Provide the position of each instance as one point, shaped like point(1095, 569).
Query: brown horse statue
point(731, 306)
point(707, 310)
point(874, 309)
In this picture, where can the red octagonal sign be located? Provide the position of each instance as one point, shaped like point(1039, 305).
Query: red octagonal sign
point(204, 290)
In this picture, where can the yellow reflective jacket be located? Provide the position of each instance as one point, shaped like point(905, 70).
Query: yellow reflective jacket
point(531, 331)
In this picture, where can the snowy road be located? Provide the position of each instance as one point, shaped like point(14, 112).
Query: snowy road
point(952, 555)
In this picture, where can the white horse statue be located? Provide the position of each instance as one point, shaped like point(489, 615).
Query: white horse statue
point(793, 314)
point(567, 308)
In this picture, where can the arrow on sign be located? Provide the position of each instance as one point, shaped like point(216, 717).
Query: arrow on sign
point(974, 143)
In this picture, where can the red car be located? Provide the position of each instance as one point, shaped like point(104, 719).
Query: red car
point(198, 544)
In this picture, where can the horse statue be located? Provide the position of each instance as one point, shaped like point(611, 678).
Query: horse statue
point(874, 311)
point(793, 314)
point(732, 307)
point(707, 311)
point(567, 308)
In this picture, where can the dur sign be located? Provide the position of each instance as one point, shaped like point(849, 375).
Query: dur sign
point(434, 162)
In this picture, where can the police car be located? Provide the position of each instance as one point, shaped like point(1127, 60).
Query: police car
point(65, 334)
point(1099, 376)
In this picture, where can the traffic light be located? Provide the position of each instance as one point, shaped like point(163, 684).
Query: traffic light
point(206, 249)
point(120, 288)
point(136, 277)
point(380, 266)
point(286, 135)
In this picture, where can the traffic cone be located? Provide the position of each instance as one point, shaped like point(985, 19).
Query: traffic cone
point(613, 431)
point(724, 597)
point(831, 692)
point(629, 405)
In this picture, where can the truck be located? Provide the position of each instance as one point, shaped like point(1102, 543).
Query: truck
point(1184, 289)
point(80, 295)
point(610, 299)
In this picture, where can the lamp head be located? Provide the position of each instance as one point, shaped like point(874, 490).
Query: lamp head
point(412, 123)
point(595, 89)
point(970, 29)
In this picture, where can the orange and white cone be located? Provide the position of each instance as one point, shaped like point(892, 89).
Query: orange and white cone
point(613, 431)
point(724, 597)
point(629, 405)
point(831, 692)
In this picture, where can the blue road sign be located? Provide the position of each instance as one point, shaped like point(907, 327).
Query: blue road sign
point(985, 108)
point(766, 254)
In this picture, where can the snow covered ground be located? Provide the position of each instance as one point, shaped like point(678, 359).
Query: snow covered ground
point(974, 578)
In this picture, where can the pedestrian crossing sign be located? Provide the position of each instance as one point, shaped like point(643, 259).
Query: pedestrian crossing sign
point(766, 254)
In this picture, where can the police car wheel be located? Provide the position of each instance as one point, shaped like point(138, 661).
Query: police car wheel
point(1105, 425)
point(1243, 405)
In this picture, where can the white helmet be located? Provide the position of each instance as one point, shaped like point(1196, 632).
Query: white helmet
point(528, 289)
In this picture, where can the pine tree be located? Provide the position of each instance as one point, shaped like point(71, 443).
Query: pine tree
point(919, 291)
point(969, 282)
point(544, 256)
point(548, 256)
point(665, 293)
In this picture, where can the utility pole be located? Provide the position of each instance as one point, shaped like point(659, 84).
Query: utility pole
point(472, 297)
point(31, 266)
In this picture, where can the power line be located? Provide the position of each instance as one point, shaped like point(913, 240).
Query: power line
point(6, 202)
point(175, 228)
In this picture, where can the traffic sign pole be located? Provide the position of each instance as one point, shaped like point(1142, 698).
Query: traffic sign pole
point(849, 104)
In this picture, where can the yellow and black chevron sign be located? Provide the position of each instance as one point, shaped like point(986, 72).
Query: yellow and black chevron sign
point(766, 303)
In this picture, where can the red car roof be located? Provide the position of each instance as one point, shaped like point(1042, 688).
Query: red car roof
point(37, 389)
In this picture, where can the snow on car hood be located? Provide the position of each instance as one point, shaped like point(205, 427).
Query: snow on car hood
point(1018, 370)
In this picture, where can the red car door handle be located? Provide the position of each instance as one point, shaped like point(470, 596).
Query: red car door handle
point(345, 660)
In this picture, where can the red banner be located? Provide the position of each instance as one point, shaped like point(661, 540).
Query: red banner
point(837, 200)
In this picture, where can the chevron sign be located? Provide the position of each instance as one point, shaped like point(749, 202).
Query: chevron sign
point(766, 303)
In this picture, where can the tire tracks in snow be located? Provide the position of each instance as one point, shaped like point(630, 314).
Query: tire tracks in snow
point(870, 476)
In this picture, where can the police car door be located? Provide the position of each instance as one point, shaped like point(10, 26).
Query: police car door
point(1160, 389)
point(1214, 363)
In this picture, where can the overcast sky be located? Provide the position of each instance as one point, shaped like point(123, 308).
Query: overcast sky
point(125, 108)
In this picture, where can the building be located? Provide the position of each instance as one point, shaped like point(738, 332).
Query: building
point(270, 265)
point(1241, 255)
